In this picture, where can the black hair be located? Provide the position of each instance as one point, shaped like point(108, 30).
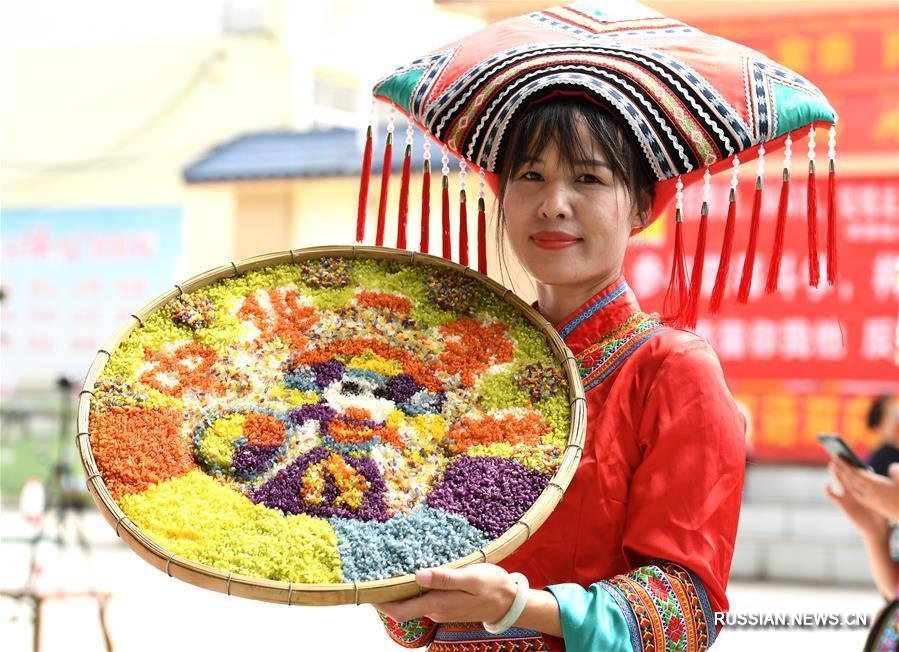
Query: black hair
point(876, 411)
point(555, 120)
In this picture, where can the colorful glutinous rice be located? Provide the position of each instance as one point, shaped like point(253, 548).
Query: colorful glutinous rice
point(331, 421)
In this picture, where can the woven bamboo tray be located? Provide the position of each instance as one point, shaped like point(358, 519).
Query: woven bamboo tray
point(395, 588)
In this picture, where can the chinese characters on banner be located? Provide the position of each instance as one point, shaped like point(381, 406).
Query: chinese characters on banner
point(71, 276)
point(804, 360)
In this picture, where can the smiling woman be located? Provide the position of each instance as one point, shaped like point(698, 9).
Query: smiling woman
point(586, 120)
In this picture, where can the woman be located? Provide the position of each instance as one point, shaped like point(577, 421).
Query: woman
point(653, 507)
point(586, 120)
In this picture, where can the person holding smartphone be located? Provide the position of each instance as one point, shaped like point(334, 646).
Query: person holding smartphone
point(871, 502)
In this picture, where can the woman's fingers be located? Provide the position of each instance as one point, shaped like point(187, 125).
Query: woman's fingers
point(470, 579)
point(401, 610)
point(436, 605)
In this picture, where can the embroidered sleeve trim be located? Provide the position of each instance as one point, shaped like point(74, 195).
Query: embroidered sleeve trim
point(666, 608)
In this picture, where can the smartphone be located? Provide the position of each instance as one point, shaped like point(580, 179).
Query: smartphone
point(837, 447)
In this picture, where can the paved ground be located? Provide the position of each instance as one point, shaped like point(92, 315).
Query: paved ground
point(149, 611)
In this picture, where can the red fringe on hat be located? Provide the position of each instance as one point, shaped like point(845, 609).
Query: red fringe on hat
point(814, 271)
point(445, 218)
point(403, 216)
point(749, 261)
point(385, 184)
point(777, 253)
point(726, 247)
point(363, 188)
point(463, 229)
point(698, 265)
point(676, 297)
point(832, 270)
point(482, 237)
point(425, 207)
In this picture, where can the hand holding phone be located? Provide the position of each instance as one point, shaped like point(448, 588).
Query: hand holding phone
point(838, 448)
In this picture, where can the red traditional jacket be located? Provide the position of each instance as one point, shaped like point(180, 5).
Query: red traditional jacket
point(651, 513)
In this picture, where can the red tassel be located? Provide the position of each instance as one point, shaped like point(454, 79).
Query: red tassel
point(425, 207)
point(403, 216)
point(814, 271)
point(724, 262)
point(676, 297)
point(385, 184)
point(363, 188)
point(774, 267)
point(832, 270)
point(698, 264)
point(749, 261)
point(463, 230)
point(447, 253)
point(482, 237)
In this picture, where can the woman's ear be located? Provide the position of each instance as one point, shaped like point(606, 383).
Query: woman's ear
point(642, 209)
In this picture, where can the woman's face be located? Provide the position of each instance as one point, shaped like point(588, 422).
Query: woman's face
point(580, 201)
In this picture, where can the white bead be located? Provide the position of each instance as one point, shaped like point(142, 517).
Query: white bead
point(480, 183)
point(391, 119)
point(427, 148)
point(706, 186)
point(409, 131)
point(462, 173)
point(445, 160)
point(761, 162)
point(734, 172)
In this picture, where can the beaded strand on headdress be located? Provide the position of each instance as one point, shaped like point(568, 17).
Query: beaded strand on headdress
point(749, 260)
point(676, 297)
point(403, 216)
point(728, 241)
point(699, 253)
point(482, 225)
point(385, 177)
point(832, 269)
point(425, 195)
point(445, 216)
point(814, 271)
point(463, 214)
point(777, 252)
point(364, 179)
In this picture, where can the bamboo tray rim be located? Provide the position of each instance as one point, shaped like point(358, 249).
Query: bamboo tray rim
point(397, 587)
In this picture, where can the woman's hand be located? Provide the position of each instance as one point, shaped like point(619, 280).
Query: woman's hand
point(481, 592)
point(867, 520)
point(870, 489)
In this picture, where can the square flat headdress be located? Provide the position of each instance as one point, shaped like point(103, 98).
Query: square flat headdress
point(693, 103)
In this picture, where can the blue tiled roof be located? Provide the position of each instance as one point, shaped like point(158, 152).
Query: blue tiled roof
point(334, 151)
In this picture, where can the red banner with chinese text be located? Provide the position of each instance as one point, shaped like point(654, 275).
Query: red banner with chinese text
point(804, 360)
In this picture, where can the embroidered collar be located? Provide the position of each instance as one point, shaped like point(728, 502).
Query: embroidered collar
point(598, 316)
point(606, 330)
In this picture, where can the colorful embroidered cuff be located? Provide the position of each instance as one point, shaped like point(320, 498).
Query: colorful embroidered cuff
point(591, 619)
point(417, 632)
point(666, 607)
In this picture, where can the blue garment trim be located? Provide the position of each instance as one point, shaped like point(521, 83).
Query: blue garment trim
point(628, 613)
point(592, 309)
